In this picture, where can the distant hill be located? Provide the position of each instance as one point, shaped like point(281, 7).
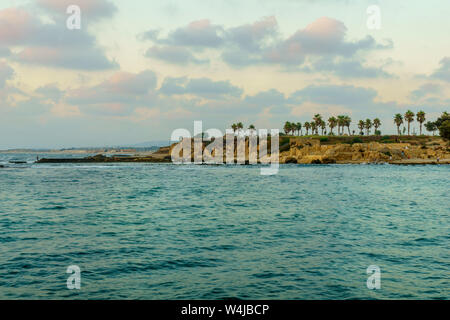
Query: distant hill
point(149, 144)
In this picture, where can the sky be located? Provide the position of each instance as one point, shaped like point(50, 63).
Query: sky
point(137, 70)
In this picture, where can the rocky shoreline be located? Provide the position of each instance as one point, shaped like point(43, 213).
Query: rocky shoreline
point(304, 151)
point(311, 150)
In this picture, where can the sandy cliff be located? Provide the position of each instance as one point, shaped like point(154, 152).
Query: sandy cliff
point(310, 150)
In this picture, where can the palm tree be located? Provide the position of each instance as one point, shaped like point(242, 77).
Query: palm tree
point(295, 128)
point(376, 123)
point(368, 125)
point(398, 120)
point(317, 121)
point(341, 124)
point(361, 126)
point(409, 117)
point(307, 126)
point(313, 127)
point(299, 128)
point(347, 121)
point(323, 125)
point(251, 128)
point(240, 126)
point(332, 123)
point(421, 119)
point(234, 127)
point(287, 127)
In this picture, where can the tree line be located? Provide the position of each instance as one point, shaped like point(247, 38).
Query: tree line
point(342, 123)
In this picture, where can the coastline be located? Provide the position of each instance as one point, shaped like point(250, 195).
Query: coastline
point(395, 150)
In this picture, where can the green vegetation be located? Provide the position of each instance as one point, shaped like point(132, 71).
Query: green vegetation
point(398, 120)
point(420, 119)
point(341, 122)
point(431, 127)
point(441, 124)
point(444, 130)
point(409, 117)
point(356, 140)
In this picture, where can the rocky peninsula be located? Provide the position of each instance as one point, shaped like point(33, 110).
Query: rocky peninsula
point(406, 150)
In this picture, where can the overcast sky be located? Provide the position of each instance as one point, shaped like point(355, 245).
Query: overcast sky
point(137, 70)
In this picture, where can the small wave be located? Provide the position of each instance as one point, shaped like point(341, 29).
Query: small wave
point(53, 208)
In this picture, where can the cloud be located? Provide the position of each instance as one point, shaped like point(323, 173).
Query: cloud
point(443, 72)
point(119, 94)
point(4, 51)
point(348, 68)
point(267, 98)
point(325, 37)
point(90, 59)
point(261, 43)
point(272, 101)
point(253, 37)
point(50, 44)
point(345, 95)
point(65, 111)
point(50, 91)
point(426, 90)
point(175, 55)
point(151, 34)
point(199, 33)
point(202, 87)
point(6, 73)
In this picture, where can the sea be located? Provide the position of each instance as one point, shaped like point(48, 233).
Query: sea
point(167, 231)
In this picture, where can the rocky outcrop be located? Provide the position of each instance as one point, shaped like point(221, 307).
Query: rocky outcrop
point(309, 150)
point(101, 158)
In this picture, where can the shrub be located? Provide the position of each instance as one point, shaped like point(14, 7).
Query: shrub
point(356, 140)
point(323, 139)
point(284, 140)
point(444, 130)
point(285, 147)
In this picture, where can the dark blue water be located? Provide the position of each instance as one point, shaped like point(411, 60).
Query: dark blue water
point(159, 231)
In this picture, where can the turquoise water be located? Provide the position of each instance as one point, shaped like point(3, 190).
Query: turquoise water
point(161, 231)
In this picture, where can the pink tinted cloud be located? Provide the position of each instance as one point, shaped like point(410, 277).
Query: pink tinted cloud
point(49, 44)
point(15, 25)
point(326, 28)
point(118, 94)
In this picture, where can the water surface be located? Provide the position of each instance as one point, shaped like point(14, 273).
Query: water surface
point(162, 231)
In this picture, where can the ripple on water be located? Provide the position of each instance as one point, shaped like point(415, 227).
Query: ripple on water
point(224, 232)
